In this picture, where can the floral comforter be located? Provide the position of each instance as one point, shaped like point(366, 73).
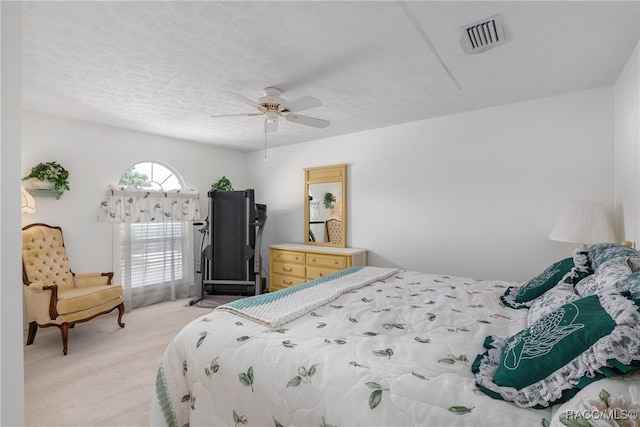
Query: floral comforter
point(395, 352)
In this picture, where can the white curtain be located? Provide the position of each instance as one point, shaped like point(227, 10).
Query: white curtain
point(156, 242)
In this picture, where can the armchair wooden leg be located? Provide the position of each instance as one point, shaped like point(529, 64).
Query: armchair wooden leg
point(64, 329)
point(120, 313)
point(33, 328)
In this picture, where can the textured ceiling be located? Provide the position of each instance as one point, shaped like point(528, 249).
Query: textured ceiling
point(164, 67)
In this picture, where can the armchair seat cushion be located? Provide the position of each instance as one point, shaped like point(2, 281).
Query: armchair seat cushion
point(80, 299)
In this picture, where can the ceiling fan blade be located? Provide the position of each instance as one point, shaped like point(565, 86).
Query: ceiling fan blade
point(307, 121)
point(304, 103)
point(216, 116)
point(245, 100)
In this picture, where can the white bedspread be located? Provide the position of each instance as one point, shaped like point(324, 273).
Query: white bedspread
point(395, 352)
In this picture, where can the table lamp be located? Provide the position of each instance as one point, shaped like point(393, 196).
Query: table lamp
point(583, 222)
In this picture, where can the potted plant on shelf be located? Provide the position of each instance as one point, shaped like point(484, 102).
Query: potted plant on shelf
point(49, 175)
point(329, 200)
point(223, 184)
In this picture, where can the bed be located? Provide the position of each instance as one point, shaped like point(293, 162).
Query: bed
point(373, 346)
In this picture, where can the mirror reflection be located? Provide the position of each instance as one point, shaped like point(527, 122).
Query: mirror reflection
point(325, 212)
point(325, 218)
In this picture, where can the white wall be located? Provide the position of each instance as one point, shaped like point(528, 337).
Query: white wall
point(471, 194)
point(95, 157)
point(627, 149)
point(11, 356)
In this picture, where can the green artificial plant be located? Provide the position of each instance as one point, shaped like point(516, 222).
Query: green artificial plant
point(329, 200)
point(52, 172)
point(223, 184)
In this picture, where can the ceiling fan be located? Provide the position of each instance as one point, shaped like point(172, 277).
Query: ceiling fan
point(272, 106)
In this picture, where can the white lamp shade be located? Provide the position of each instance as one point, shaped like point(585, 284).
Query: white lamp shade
point(28, 202)
point(583, 222)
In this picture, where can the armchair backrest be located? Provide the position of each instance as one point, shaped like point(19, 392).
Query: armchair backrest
point(334, 230)
point(44, 257)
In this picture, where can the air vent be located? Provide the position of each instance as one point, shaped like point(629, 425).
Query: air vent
point(484, 35)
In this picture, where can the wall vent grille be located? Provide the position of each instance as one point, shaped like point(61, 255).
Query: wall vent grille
point(483, 35)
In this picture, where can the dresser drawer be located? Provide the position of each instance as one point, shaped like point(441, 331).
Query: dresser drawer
point(289, 268)
point(281, 281)
point(292, 264)
point(316, 272)
point(288, 256)
point(326, 260)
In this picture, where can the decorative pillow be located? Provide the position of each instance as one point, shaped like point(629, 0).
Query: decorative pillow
point(584, 287)
point(602, 252)
point(562, 352)
point(608, 274)
point(634, 263)
point(509, 298)
point(581, 268)
point(570, 271)
point(631, 284)
point(551, 300)
point(545, 280)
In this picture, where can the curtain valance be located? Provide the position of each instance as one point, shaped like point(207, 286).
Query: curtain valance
point(133, 205)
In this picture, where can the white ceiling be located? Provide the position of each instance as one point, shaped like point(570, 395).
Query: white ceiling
point(164, 67)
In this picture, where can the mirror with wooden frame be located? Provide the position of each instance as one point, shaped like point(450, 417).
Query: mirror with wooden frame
point(325, 196)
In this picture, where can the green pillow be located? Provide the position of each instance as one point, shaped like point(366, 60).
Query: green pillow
point(561, 353)
point(551, 342)
point(544, 281)
point(509, 298)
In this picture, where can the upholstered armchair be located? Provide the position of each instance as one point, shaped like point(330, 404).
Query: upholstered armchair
point(334, 230)
point(54, 295)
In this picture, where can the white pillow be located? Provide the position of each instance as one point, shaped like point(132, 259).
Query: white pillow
point(608, 274)
point(551, 300)
point(584, 286)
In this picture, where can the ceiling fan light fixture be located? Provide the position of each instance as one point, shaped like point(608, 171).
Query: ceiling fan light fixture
point(272, 116)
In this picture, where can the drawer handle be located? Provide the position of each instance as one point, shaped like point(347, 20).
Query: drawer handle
point(296, 258)
point(321, 275)
point(287, 283)
point(288, 271)
point(335, 262)
point(313, 260)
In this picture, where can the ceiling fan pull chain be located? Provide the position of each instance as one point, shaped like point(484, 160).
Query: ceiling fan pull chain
point(265, 141)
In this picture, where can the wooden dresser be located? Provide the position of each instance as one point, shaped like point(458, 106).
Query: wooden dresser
point(291, 263)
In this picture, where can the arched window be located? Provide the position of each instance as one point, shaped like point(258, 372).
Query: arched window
point(156, 257)
point(151, 176)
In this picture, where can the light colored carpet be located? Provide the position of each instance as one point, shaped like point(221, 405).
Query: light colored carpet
point(108, 376)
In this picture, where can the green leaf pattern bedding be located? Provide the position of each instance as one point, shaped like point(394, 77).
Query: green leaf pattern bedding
point(395, 352)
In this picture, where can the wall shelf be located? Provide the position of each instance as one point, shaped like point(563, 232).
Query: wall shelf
point(44, 193)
